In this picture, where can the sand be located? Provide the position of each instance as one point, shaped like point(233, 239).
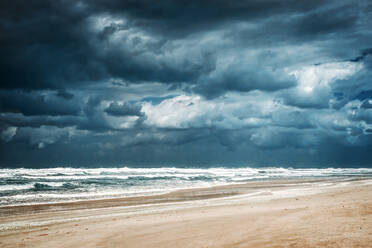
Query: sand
point(292, 213)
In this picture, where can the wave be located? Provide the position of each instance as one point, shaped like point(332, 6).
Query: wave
point(20, 186)
point(49, 187)
point(11, 187)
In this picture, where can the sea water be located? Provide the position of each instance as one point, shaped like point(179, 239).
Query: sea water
point(29, 186)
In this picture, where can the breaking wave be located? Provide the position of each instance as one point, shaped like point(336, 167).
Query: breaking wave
point(28, 186)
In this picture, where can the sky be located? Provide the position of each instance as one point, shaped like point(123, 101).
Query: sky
point(185, 83)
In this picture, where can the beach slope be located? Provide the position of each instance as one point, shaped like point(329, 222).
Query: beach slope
point(265, 214)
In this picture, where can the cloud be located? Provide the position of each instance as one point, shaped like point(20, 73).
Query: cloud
point(244, 74)
point(64, 94)
point(186, 111)
point(37, 103)
point(314, 87)
point(367, 104)
point(8, 133)
point(186, 83)
point(43, 136)
point(280, 138)
point(98, 41)
point(124, 109)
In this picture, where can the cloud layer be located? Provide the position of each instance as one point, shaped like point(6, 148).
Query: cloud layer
point(185, 83)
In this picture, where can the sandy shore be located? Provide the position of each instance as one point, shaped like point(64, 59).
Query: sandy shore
point(306, 213)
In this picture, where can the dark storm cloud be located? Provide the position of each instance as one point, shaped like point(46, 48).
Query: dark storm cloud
point(19, 120)
point(64, 94)
point(38, 39)
point(358, 85)
point(34, 110)
point(53, 44)
point(241, 76)
point(184, 17)
point(299, 26)
point(36, 104)
point(186, 82)
point(367, 104)
point(125, 109)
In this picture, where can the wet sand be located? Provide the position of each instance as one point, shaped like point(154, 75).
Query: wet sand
point(292, 213)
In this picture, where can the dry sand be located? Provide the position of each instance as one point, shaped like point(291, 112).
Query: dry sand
point(307, 213)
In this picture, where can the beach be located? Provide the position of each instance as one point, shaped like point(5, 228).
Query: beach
point(275, 213)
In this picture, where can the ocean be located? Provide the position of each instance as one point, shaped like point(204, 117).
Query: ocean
point(31, 186)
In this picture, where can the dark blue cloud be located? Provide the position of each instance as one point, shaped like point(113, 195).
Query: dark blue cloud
point(125, 109)
point(186, 82)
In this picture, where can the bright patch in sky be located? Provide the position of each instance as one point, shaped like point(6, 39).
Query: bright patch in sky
point(321, 76)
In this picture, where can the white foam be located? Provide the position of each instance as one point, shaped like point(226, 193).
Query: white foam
point(97, 183)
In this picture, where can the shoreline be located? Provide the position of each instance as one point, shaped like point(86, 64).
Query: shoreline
point(40, 226)
point(178, 195)
point(59, 185)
